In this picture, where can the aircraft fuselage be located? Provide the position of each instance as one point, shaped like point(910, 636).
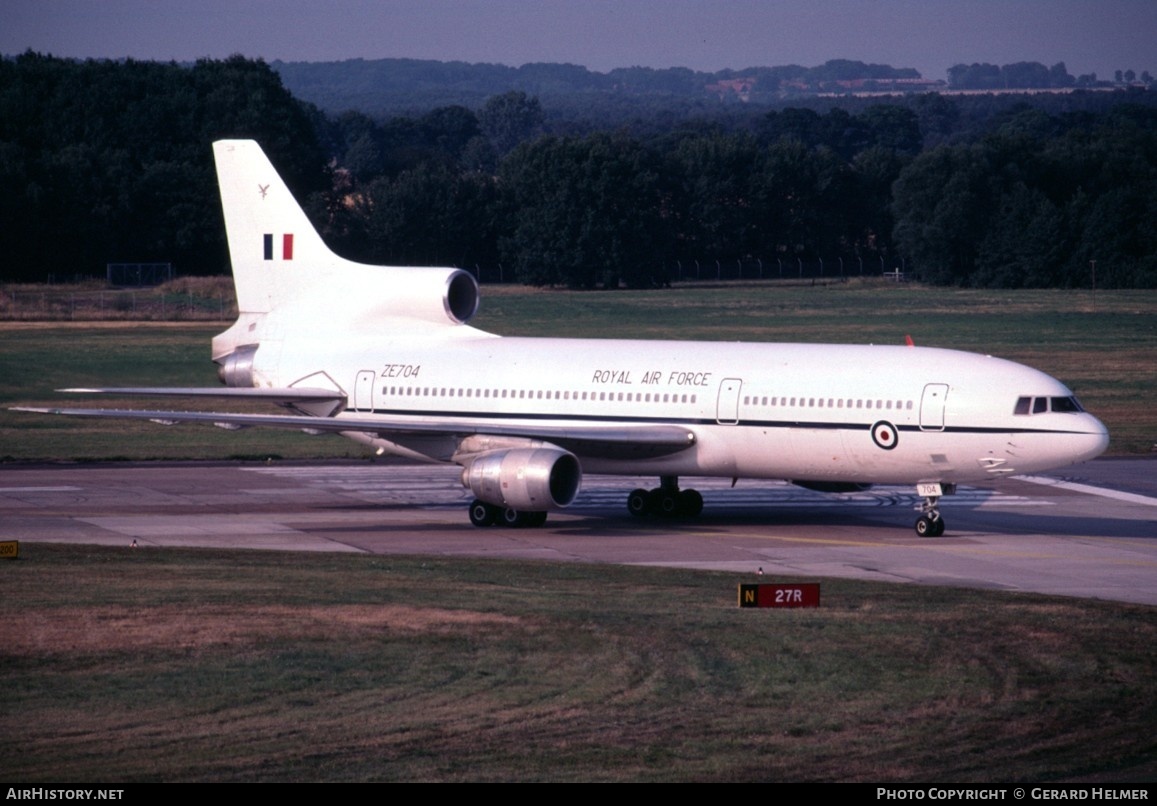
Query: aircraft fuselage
point(870, 414)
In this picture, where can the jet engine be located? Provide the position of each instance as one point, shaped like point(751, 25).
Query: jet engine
point(437, 295)
point(525, 479)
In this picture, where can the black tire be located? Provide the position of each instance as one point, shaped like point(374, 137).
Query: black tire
point(638, 503)
point(925, 527)
point(481, 513)
point(690, 503)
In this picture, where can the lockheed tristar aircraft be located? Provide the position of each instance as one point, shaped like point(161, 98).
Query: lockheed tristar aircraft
point(384, 355)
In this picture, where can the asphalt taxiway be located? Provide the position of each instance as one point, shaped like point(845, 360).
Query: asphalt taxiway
point(1089, 531)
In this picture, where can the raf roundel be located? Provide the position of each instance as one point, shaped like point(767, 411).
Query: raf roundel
point(884, 435)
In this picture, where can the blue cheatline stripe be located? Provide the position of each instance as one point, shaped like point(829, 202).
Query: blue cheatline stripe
point(469, 417)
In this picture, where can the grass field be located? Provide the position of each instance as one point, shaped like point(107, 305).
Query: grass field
point(130, 665)
point(1106, 350)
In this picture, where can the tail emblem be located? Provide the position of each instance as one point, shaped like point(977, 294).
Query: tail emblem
point(286, 246)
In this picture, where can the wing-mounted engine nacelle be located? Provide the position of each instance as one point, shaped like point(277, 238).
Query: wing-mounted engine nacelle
point(525, 479)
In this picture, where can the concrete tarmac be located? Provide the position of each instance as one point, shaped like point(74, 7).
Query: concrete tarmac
point(1088, 531)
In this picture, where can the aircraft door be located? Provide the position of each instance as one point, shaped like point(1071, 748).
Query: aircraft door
point(932, 406)
point(727, 408)
point(364, 390)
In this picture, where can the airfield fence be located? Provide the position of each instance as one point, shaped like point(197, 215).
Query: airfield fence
point(193, 299)
point(213, 298)
point(691, 270)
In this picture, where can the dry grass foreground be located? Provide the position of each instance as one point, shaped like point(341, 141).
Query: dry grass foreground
point(128, 665)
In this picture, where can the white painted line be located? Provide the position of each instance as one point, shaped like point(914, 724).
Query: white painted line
point(1116, 495)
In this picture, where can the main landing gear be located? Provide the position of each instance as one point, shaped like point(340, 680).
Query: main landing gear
point(666, 500)
point(484, 514)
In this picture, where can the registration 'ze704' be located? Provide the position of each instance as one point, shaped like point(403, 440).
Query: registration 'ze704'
point(384, 355)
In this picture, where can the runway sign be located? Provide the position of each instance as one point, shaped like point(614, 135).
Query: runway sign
point(805, 594)
point(9, 549)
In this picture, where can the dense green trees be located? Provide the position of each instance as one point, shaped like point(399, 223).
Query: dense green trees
point(1033, 203)
point(586, 212)
point(108, 162)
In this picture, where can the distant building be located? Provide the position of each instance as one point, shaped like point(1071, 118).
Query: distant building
point(739, 87)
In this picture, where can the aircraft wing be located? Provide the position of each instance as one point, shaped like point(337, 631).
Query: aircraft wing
point(290, 394)
point(312, 401)
point(620, 441)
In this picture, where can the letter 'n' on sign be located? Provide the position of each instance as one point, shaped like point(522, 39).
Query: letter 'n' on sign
point(286, 246)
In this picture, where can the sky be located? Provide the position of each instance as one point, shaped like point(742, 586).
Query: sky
point(1089, 36)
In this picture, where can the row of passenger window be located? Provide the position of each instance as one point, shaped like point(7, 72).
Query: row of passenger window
point(536, 394)
point(640, 397)
point(1040, 405)
point(829, 402)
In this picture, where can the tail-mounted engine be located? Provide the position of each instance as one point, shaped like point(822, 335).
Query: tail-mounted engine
point(525, 479)
point(436, 295)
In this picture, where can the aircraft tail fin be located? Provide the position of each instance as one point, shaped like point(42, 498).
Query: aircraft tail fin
point(275, 251)
point(280, 261)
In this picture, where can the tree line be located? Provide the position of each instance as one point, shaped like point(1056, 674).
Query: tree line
point(1031, 75)
point(392, 87)
point(110, 162)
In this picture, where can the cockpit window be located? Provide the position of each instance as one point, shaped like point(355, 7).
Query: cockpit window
point(1040, 405)
point(1068, 405)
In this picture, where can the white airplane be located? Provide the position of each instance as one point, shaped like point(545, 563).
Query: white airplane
point(384, 355)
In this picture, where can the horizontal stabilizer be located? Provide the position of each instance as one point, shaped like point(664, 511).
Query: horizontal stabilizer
point(287, 395)
point(315, 402)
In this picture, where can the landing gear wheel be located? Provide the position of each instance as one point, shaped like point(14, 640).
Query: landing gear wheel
point(519, 519)
point(512, 518)
point(666, 501)
point(928, 527)
point(690, 503)
point(638, 503)
point(482, 514)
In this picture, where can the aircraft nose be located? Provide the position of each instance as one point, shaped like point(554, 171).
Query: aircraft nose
point(1094, 440)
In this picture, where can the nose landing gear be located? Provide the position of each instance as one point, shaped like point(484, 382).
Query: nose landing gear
point(930, 524)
